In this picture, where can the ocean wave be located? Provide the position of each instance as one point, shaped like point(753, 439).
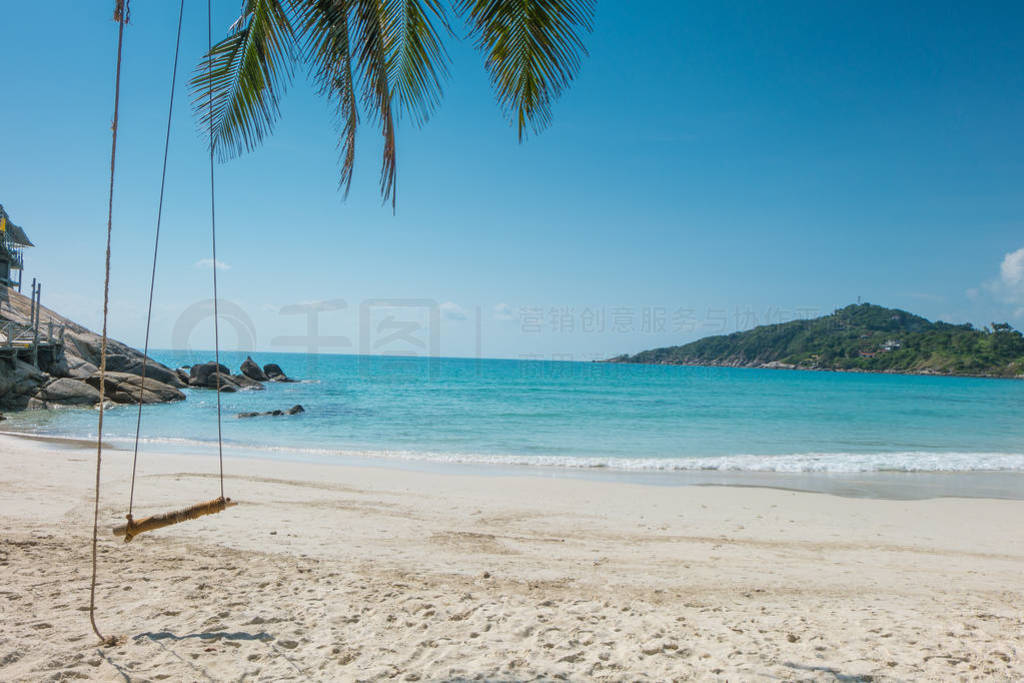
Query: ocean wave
point(811, 462)
point(826, 463)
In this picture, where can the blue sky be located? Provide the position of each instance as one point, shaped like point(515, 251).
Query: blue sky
point(716, 165)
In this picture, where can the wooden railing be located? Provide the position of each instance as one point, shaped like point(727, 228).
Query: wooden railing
point(16, 334)
point(33, 334)
point(13, 250)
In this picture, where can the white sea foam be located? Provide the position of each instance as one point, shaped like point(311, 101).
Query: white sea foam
point(839, 462)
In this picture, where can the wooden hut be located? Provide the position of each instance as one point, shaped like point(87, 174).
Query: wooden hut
point(13, 241)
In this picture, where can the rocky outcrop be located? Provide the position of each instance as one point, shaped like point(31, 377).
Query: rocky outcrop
point(274, 373)
point(82, 350)
point(212, 376)
point(294, 410)
point(123, 387)
point(247, 383)
point(205, 374)
point(68, 391)
point(19, 383)
point(218, 380)
point(119, 362)
point(24, 386)
point(253, 371)
point(69, 375)
point(81, 369)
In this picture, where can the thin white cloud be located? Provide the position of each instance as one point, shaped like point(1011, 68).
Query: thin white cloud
point(503, 311)
point(208, 263)
point(1011, 271)
point(452, 311)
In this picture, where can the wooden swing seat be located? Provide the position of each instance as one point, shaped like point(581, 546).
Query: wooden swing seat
point(135, 527)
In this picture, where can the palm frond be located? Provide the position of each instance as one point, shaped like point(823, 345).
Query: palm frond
point(417, 61)
point(398, 54)
point(390, 51)
point(236, 88)
point(371, 42)
point(323, 37)
point(533, 50)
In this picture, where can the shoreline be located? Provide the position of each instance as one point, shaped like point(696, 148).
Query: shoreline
point(879, 485)
point(335, 572)
point(772, 365)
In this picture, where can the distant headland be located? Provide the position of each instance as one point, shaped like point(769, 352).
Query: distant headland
point(857, 338)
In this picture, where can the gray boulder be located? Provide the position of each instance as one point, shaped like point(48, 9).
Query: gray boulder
point(81, 369)
point(6, 379)
point(22, 385)
point(59, 367)
point(123, 387)
point(294, 410)
point(19, 381)
point(214, 380)
point(247, 383)
point(119, 362)
point(69, 392)
point(267, 413)
point(206, 375)
point(274, 373)
point(253, 371)
point(82, 346)
point(199, 374)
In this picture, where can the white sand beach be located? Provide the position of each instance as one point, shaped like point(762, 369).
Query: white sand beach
point(328, 572)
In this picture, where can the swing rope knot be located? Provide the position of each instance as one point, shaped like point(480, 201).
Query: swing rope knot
point(130, 528)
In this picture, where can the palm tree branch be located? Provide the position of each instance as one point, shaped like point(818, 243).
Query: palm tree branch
point(417, 60)
point(323, 36)
point(533, 50)
point(237, 86)
point(370, 33)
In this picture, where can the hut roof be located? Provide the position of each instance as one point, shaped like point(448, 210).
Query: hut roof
point(14, 233)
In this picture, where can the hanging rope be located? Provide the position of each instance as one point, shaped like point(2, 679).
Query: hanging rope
point(156, 250)
point(121, 17)
point(213, 239)
point(135, 527)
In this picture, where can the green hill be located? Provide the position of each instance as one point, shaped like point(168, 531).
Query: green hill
point(860, 337)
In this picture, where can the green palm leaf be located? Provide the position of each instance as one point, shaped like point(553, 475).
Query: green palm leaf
point(323, 36)
point(390, 53)
point(236, 88)
point(417, 61)
point(371, 43)
point(533, 50)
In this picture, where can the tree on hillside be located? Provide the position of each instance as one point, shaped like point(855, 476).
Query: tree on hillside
point(383, 59)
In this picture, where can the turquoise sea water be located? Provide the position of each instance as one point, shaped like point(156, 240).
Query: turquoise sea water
point(620, 417)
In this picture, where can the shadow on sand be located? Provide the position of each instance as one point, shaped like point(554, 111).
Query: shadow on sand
point(209, 635)
point(835, 673)
point(167, 639)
